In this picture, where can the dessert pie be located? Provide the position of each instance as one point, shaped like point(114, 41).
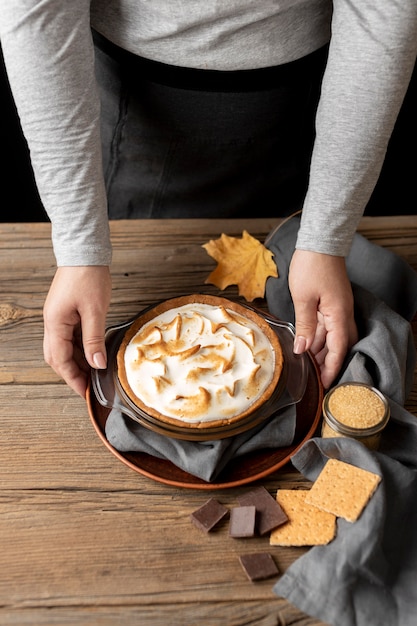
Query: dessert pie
point(199, 361)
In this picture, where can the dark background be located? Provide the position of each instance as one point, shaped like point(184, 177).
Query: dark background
point(395, 193)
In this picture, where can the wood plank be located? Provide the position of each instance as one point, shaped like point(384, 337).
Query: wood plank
point(255, 613)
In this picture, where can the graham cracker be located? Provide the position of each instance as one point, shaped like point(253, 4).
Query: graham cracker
point(343, 489)
point(307, 525)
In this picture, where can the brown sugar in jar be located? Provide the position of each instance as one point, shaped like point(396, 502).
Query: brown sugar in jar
point(355, 410)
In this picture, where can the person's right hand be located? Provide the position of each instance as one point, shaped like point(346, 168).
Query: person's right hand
point(324, 310)
point(74, 323)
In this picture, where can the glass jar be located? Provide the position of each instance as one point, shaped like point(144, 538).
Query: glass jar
point(355, 410)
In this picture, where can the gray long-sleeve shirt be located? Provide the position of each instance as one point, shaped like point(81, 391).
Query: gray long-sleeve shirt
point(49, 56)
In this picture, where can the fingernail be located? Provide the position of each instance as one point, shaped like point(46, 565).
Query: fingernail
point(300, 344)
point(99, 360)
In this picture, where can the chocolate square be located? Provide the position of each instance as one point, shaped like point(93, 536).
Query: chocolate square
point(208, 515)
point(242, 521)
point(258, 565)
point(269, 513)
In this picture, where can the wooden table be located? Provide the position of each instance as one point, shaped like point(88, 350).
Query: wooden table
point(84, 538)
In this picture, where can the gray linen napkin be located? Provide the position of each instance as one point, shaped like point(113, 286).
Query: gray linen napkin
point(367, 575)
point(204, 459)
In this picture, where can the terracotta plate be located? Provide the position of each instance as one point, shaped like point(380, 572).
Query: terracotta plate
point(245, 469)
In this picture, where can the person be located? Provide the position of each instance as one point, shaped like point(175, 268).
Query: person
point(173, 109)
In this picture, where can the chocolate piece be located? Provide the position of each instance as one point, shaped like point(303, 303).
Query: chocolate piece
point(258, 566)
point(242, 521)
point(208, 515)
point(269, 513)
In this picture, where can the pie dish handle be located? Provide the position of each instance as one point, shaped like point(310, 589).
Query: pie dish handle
point(102, 381)
point(296, 365)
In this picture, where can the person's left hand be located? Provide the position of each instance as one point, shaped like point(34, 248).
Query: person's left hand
point(324, 312)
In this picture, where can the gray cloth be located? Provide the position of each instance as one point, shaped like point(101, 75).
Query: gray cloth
point(366, 575)
point(206, 459)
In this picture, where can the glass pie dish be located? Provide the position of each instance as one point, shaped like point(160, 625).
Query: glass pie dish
point(289, 389)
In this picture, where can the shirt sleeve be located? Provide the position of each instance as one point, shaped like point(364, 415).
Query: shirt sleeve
point(372, 53)
point(49, 57)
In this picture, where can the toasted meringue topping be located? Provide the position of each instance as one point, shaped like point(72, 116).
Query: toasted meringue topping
point(199, 363)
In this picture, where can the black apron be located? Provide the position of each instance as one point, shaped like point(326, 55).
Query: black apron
point(186, 143)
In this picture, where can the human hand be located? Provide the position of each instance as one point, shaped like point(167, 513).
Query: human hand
point(74, 323)
point(324, 313)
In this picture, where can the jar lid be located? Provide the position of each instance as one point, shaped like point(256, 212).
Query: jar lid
point(356, 409)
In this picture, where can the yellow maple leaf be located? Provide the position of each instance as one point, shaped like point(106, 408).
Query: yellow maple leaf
point(244, 262)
